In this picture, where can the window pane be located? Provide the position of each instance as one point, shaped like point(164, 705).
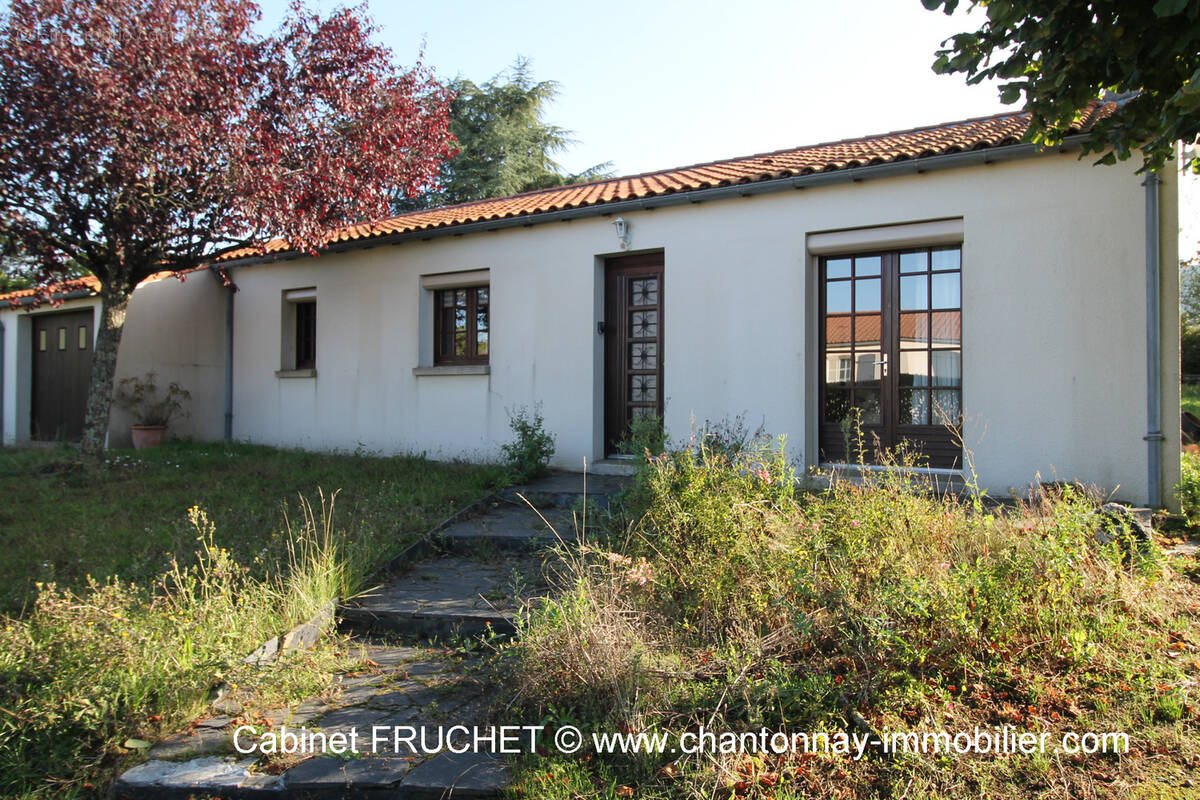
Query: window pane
point(481, 343)
point(837, 331)
point(914, 368)
point(643, 324)
point(867, 266)
point(644, 292)
point(460, 319)
point(83, 337)
point(866, 295)
point(947, 368)
point(643, 388)
point(914, 292)
point(837, 297)
point(914, 407)
point(838, 368)
point(643, 355)
point(481, 320)
point(914, 262)
point(62, 338)
point(947, 259)
point(866, 330)
point(947, 327)
point(914, 329)
point(460, 298)
point(868, 368)
point(837, 404)
point(947, 408)
point(867, 400)
point(945, 291)
point(42, 340)
point(447, 298)
point(837, 268)
point(481, 296)
point(460, 343)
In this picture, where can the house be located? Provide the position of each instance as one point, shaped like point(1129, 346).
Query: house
point(950, 284)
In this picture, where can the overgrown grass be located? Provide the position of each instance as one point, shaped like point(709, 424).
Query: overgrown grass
point(723, 600)
point(97, 666)
point(63, 520)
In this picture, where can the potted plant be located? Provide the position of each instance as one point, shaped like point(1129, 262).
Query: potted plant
point(151, 409)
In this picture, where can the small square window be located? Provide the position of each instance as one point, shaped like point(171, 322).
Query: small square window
point(62, 338)
point(462, 325)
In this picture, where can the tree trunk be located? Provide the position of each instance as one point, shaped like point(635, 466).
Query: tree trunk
point(104, 368)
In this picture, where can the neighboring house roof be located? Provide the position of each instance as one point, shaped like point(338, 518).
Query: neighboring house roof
point(914, 327)
point(936, 140)
point(85, 286)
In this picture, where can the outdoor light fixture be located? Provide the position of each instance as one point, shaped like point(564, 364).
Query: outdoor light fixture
point(622, 231)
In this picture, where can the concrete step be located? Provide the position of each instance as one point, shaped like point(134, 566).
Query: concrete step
point(449, 596)
point(567, 490)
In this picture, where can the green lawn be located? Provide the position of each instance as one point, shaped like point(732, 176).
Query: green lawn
point(62, 520)
point(1189, 396)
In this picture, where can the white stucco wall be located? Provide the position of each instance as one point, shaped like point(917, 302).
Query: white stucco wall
point(176, 330)
point(1053, 326)
point(1053, 331)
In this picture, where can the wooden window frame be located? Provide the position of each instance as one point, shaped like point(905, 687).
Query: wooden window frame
point(444, 326)
point(940, 442)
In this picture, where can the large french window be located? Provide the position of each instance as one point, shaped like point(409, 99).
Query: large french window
point(891, 341)
point(461, 325)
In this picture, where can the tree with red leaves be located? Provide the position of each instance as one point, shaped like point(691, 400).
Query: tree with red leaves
point(138, 136)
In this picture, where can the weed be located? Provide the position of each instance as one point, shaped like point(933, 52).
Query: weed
point(528, 455)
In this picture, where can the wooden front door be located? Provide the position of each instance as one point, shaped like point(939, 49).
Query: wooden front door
point(62, 367)
point(633, 344)
point(891, 344)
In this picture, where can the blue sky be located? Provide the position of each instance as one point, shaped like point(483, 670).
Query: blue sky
point(650, 85)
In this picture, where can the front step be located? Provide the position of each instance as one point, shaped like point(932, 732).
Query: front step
point(451, 596)
point(567, 490)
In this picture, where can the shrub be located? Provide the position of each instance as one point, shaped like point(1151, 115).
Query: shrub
point(1189, 349)
point(732, 602)
point(528, 455)
point(1188, 490)
point(142, 399)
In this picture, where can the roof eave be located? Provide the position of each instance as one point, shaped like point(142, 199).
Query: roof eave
point(987, 155)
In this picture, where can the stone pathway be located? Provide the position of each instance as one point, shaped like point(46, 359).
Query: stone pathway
point(471, 584)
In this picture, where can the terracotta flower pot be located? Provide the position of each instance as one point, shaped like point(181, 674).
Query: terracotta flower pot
point(148, 435)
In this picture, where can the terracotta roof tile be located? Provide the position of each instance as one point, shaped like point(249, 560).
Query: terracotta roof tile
point(934, 140)
point(89, 283)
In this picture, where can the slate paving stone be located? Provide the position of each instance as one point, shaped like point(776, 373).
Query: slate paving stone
point(458, 775)
point(400, 685)
point(357, 717)
point(331, 773)
point(199, 742)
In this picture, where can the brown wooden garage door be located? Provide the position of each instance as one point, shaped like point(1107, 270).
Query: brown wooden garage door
point(62, 366)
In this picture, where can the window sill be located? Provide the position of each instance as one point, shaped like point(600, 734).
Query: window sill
point(295, 373)
point(453, 369)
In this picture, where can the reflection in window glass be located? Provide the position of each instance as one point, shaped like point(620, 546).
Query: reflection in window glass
point(947, 409)
point(866, 295)
point(947, 367)
point(914, 262)
point(869, 265)
point(914, 368)
point(914, 292)
point(837, 297)
point(837, 268)
point(947, 259)
point(945, 291)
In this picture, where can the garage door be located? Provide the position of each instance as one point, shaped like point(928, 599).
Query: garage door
point(62, 365)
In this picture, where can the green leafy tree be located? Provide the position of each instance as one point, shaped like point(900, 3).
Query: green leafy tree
point(1061, 54)
point(505, 144)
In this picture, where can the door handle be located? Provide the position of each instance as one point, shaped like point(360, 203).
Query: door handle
point(882, 363)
